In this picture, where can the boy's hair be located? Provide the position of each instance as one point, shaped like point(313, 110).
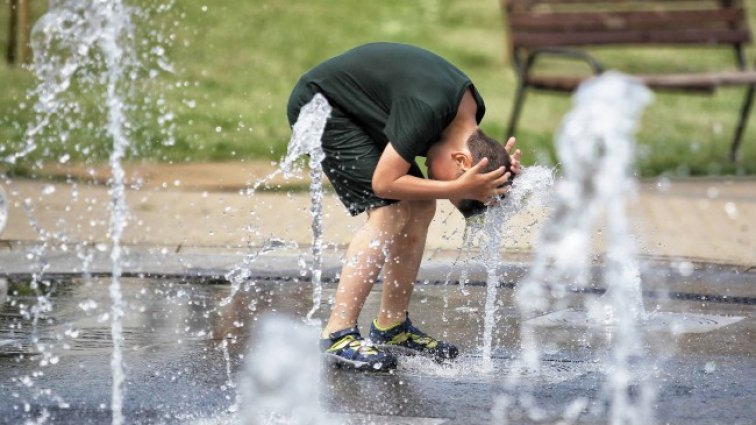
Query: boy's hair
point(481, 146)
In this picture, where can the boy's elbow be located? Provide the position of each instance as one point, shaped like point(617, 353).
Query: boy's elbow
point(380, 188)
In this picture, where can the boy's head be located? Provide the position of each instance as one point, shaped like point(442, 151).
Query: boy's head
point(447, 162)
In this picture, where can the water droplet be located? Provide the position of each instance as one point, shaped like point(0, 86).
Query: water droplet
point(685, 268)
point(663, 184)
point(732, 210)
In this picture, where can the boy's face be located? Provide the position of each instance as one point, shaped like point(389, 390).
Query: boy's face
point(444, 164)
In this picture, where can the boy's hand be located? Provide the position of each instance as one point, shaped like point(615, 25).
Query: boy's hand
point(516, 168)
point(482, 186)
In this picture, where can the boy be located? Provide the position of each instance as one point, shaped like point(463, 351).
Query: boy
point(391, 103)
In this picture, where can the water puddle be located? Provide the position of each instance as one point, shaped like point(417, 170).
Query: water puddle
point(189, 343)
point(675, 323)
point(467, 368)
point(342, 419)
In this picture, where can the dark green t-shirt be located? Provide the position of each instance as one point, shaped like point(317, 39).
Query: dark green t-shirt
point(395, 92)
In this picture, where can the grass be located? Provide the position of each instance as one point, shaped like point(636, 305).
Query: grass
point(236, 61)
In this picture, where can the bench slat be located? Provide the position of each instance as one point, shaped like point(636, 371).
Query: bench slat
point(616, 21)
point(531, 40)
point(623, 3)
point(705, 82)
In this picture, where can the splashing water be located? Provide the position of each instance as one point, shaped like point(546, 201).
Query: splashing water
point(241, 273)
point(79, 48)
point(490, 246)
point(468, 241)
point(3, 209)
point(117, 16)
point(229, 376)
point(306, 140)
point(39, 284)
point(90, 44)
point(595, 146)
point(3, 290)
point(306, 135)
point(279, 384)
point(529, 189)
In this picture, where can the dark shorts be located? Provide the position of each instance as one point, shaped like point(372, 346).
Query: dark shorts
point(351, 156)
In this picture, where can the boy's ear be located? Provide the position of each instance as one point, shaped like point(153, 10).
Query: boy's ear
point(462, 159)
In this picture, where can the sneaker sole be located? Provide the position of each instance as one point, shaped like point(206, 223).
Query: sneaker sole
point(404, 351)
point(338, 361)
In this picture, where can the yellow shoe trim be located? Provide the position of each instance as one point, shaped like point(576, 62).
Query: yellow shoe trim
point(399, 338)
point(386, 328)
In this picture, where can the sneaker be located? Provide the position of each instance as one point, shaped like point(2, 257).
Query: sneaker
point(409, 340)
point(347, 348)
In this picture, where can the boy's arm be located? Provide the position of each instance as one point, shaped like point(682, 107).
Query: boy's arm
point(391, 181)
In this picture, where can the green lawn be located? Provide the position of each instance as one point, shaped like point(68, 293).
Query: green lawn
point(236, 61)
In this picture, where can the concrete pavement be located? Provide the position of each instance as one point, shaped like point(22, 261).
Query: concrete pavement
point(204, 205)
point(184, 339)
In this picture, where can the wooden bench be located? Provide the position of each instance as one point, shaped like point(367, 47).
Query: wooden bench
point(565, 28)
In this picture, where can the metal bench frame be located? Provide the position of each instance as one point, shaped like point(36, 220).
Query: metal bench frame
point(537, 31)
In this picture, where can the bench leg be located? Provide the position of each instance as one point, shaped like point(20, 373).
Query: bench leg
point(516, 109)
point(744, 113)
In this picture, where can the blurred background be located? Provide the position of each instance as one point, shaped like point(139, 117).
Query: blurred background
point(231, 65)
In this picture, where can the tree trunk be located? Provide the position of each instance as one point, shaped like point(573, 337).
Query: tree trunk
point(24, 26)
point(10, 55)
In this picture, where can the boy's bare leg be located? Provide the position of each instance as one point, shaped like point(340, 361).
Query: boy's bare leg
point(364, 259)
point(403, 263)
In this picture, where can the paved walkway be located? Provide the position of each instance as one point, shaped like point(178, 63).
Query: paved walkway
point(203, 205)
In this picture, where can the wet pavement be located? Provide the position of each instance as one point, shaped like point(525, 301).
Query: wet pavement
point(185, 341)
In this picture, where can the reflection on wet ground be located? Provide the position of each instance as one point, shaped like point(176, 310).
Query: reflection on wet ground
point(184, 347)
